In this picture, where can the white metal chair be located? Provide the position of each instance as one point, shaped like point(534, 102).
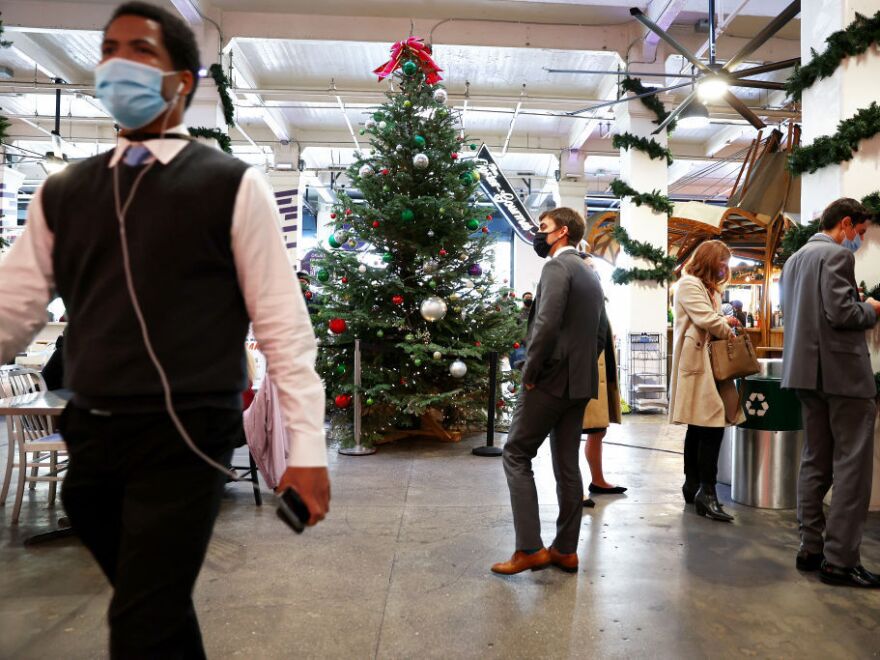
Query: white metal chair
point(36, 438)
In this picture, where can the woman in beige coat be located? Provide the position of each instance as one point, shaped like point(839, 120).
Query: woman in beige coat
point(696, 399)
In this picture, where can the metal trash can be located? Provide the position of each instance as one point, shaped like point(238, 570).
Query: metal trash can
point(767, 446)
point(725, 457)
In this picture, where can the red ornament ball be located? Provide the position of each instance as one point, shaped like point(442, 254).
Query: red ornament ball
point(488, 217)
point(338, 326)
point(308, 295)
point(403, 381)
point(397, 299)
point(385, 171)
point(512, 294)
point(515, 345)
point(333, 216)
point(342, 401)
point(454, 156)
point(375, 224)
point(477, 344)
point(500, 403)
point(345, 280)
point(443, 252)
point(348, 211)
point(485, 230)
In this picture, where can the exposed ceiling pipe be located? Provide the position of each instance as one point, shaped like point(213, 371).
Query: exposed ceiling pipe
point(348, 123)
point(720, 29)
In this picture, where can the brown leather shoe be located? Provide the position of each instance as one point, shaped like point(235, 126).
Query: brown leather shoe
point(521, 561)
point(568, 563)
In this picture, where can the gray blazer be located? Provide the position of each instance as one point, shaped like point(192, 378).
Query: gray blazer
point(825, 323)
point(562, 344)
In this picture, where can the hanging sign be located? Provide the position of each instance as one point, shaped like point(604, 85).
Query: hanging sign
point(499, 191)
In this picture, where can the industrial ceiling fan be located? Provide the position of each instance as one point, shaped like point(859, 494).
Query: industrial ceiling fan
point(713, 80)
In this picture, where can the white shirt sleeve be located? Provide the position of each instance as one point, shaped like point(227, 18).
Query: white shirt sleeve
point(26, 280)
point(280, 319)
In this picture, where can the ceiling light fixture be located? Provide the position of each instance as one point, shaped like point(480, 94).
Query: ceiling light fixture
point(52, 164)
point(712, 86)
point(694, 116)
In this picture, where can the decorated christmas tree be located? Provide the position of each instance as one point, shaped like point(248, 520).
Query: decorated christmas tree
point(408, 271)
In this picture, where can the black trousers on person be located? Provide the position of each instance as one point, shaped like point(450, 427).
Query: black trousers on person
point(144, 505)
point(702, 445)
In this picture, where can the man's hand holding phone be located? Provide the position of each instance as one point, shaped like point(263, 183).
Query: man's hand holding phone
point(311, 485)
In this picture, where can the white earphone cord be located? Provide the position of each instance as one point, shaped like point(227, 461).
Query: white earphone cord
point(121, 210)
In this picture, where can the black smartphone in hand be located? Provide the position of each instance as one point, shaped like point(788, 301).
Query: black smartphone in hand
point(292, 510)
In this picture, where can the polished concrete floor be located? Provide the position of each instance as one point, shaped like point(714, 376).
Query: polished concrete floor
point(400, 569)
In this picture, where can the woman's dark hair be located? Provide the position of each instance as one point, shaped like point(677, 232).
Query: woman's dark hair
point(178, 38)
point(840, 209)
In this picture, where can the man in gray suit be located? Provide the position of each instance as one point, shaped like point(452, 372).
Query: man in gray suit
point(560, 376)
point(827, 362)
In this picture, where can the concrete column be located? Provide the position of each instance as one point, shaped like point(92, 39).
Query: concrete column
point(285, 183)
point(205, 110)
point(642, 307)
point(572, 187)
point(10, 183)
point(852, 87)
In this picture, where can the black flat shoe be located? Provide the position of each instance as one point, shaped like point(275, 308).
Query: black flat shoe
point(707, 504)
point(689, 492)
point(809, 562)
point(614, 490)
point(589, 504)
point(848, 577)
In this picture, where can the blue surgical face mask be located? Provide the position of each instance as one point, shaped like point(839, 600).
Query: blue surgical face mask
point(852, 244)
point(130, 91)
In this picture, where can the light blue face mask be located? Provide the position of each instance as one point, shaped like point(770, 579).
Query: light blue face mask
point(852, 244)
point(130, 91)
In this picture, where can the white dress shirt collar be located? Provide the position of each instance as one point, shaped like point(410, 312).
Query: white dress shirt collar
point(162, 150)
point(561, 250)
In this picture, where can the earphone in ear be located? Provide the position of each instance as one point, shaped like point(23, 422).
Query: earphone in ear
point(180, 87)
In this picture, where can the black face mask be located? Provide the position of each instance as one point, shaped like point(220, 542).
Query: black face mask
point(527, 302)
point(542, 247)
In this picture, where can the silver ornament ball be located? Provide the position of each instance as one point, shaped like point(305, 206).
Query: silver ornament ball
point(430, 233)
point(440, 96)
point(362, 269)
point(420, 161)
point(365, 171)
point(383, 125)
point(437, 355)
point(433, 308)
point(458, 369)
point(370, 124)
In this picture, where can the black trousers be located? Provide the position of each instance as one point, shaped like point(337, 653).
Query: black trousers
point(144, 505)
point(702, 445)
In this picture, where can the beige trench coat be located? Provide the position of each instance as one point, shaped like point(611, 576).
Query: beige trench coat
point(695, 397)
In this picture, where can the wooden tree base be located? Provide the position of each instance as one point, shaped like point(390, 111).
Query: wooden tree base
point(430, 428)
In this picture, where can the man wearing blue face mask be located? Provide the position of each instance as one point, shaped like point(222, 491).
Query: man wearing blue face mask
point(826, 360)
point(560, 376)
point(163, 250)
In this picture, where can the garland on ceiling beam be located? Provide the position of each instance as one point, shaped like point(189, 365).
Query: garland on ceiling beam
point(837, 148)
point(654, 200)
point(653, 104)
point(222, 138)
point(852, 41)
point(664, 265)
point(654, 149)
point(223, 87)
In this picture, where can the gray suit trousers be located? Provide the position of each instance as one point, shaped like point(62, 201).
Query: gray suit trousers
point(538, 414)
point(838, 450)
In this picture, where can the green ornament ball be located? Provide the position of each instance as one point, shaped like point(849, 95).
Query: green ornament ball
point(419, 140)
point(341, 369)
point(386, 188)
point(467, 178)
point(432, 284)
point(386, 258)
point(417, 362)
point(370, 402)
point(409, 337)
point(410, 67)
point(377, 116)
point(473, 225)
point(407, 104)
point(323, 275)
point(333, 242)
point(380, 333)
point(362, 131)
point(473, 147)
point(407, 215)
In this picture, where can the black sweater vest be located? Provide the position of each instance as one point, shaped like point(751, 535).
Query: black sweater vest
point(179, 238)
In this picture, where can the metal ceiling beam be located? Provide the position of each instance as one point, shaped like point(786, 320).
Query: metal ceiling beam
point(584, 127)
point(189, 10)
point(663, 13)
point(50, 65)
point(274, 119)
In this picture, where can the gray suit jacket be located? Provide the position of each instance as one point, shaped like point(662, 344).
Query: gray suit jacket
point(563, 336)
point(825, 323)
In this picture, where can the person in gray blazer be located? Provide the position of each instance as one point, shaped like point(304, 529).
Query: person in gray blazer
point(560, 376)
point(826, 360)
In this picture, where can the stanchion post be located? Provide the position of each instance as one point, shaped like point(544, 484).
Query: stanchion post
point(358, 449)
point(490, 449)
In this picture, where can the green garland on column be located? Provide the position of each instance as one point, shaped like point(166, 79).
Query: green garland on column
point(223, 86)
point(654, 149)
point(653, 104)
point(664, 265)
point(852, 41)
point(222, 138)
point(837, 148)
point(654, 200)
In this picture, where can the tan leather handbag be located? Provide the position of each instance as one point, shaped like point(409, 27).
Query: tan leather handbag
point(733, 357)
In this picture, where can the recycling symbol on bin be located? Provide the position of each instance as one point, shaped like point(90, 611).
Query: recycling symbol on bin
point(757, 405)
